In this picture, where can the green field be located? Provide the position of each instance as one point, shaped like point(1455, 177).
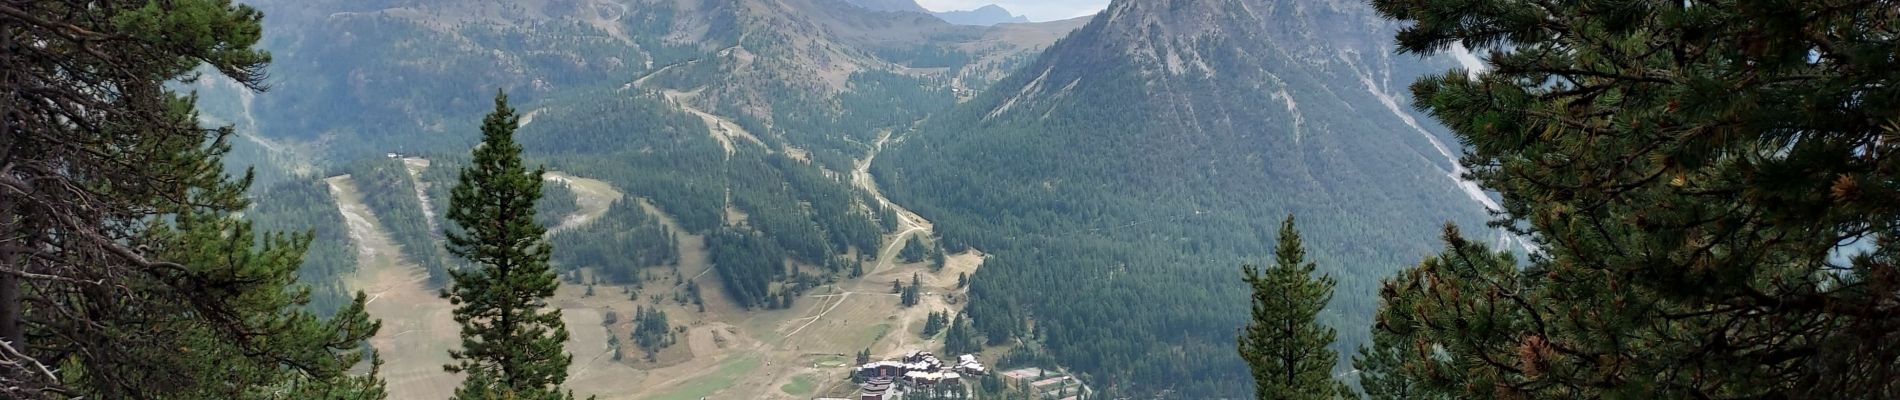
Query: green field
point(833, 362)
point(874, 333)
point(705, 386)
point(801, 385)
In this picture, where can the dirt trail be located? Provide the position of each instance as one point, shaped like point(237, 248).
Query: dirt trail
point(418, 329)
point(415, 167)
point(529, 117)
point(861, 176)
point(725, 131)
point(593, 196)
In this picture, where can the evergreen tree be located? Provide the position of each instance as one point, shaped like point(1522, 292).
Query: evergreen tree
point(1285, 345)
point(960, 339)
point(1415, 353)
point(935, 323)
point(915, 250)
point(910, 295)
point(511, 346)
point(1712, 185)
point(125, 271)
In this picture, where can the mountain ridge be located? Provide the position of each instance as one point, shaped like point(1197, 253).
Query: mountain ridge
point(1153, 151)
point(987, 15)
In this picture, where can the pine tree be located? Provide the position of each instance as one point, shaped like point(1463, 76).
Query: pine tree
point(125, 271)
point(960, 338)
point(1712, 185)
point(1414, 356)
point(511, 344)
point(910, 295)
point(1285, 345)
point(914, 250)
point(935, 323)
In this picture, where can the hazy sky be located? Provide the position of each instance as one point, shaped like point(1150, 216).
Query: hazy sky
point(1037, 10)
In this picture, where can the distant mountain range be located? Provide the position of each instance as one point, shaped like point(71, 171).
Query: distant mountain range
point(890, 5)
point(988, 15)
point(416, 74)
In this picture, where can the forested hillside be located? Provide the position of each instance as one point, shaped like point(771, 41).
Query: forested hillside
point(1120, 180)
point(724, 116)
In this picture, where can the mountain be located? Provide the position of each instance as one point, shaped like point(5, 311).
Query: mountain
point(889, 5)
point(1120, 180)
point(709, 156)
point(413, 75)
point(984, 16)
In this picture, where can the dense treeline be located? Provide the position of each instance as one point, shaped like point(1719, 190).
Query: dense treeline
point(619, 245)
point(651, 331)
point(748, 264)
point(306, 205)
point(792, 210)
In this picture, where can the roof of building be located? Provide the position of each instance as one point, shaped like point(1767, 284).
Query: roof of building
point(1050, 381)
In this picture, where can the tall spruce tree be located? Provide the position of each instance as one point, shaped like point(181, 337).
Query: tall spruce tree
point(511, 340)
point(1715, 186)
point(124, 270)
point(1285, 345)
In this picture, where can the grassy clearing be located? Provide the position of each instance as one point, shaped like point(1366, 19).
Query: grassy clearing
point(875, 333)
point(801, 385)
point(728, 374)
point(833, 362)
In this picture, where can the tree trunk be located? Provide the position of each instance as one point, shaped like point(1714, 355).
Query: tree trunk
point(11, 330)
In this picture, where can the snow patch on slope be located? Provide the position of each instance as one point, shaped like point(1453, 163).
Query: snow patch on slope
point(1028, 90)
point(1299, 121)
point(1457, 171)
point(1473, 66)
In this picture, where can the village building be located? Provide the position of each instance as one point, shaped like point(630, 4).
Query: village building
point(875, 389)
point(1048, 384)
point(917, 369)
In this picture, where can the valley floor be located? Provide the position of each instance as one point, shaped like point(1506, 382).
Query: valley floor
point(724, 351)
